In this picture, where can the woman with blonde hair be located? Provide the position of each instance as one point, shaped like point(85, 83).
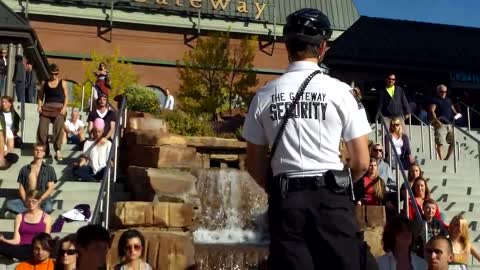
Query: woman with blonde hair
point(462, 247)
point(371, 189)
point(401, 144)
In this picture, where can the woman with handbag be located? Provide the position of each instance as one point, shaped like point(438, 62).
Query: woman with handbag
point(52, 106)
point(10, 120)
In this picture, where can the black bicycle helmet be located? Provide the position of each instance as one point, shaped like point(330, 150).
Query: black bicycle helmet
point(307, 25)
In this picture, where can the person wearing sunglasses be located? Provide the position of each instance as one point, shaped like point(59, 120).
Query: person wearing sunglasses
point(52, 106)
point(131, 248)
point(67, 253)
point(42, 247)
point(401, 144)
point(384, 170)
point(392, 102)
point(442, 114)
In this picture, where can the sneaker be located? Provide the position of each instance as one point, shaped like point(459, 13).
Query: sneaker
point(10, 215)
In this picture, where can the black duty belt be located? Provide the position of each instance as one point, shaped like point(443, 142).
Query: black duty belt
point(283, 184)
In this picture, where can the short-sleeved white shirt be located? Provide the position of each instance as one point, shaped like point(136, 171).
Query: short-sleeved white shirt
point(74, 127)
point(327, 112)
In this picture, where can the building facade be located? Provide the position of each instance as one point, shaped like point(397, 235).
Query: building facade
point(154, 34)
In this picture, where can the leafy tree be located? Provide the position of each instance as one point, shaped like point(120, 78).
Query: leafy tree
point(216, 76)
point(121, 73)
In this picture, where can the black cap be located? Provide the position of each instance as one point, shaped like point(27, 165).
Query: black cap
point(307, 25)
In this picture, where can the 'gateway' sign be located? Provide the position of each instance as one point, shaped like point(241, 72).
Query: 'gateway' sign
point(240, 7)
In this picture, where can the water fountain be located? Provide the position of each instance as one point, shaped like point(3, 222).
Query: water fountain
point(232, 229)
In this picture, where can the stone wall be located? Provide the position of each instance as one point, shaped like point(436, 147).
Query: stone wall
point(162, 179)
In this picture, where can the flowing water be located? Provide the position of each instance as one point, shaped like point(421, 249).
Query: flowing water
point(232, 230)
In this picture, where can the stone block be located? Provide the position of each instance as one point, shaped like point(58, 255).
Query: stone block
point(163, 250)
point(214, 143)
point(141, 123)
point(164, 184)
point(159, 214)
point(158, 138)
point(164, 156)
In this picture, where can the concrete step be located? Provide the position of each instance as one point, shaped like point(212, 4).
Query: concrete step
point(460, 206)
point(61, 185)
point(460, 190)
point(6, 225)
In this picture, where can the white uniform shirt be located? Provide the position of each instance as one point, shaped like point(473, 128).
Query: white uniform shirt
point(327, 112)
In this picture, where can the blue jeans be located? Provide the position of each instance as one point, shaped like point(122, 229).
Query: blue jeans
point(74, 139)
point(18, 206)
point(85, 173)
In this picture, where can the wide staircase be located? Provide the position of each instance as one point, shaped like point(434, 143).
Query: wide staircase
point(457, 191)
point(68, 192)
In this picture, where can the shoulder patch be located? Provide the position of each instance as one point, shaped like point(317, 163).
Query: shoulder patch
point(360, 104)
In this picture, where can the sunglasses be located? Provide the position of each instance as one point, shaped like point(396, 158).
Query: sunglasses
point(68, 252)
point(378, 150)
point(54, 73)
point(133, 247)
point(396, 125)
point(390, 79)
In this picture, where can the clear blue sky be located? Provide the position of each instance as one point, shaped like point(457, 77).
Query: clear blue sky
point(459, 12)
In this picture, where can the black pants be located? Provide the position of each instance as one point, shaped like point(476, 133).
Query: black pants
point(311, 230)
point(20, 252)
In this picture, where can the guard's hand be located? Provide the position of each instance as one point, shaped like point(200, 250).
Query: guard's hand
point(39, 109)
point(2, 238)
point(63, 111)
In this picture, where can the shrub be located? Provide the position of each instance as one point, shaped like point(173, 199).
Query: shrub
point(185, 124)
point(142, 99)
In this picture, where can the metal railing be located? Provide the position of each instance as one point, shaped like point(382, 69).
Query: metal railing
point(400, 171)
point(469, 115)
point(101, 213)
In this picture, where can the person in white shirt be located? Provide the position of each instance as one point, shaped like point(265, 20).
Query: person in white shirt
point(94, 160)
point(74, 128)
point(398, 242)
point(311, 222)
point(169, 101)
point(10, 120)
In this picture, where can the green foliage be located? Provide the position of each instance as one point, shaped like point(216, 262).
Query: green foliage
point(217, 75)
point(186, 124)
point(142, 99)
point(121, 74)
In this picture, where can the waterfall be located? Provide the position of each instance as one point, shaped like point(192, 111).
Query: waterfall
point(233, 207)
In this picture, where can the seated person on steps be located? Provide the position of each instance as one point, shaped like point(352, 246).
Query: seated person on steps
point(104, 112)
point(36, 175)
point(74, 128)
point(4, 164)
point(28, 224)
point(94, 160)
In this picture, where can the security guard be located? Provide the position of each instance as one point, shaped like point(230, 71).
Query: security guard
point(311, 222)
